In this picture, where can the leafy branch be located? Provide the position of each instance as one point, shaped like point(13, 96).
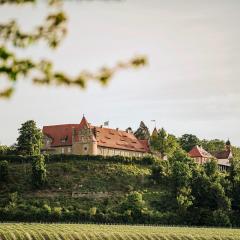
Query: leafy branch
point(52, 31)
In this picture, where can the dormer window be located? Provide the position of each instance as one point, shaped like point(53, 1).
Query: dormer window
point(64, 139)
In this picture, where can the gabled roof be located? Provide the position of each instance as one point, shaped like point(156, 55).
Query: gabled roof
point(117, 139)
point(61, 135)
point(226, 154)
point(198, 151)
point(83, 123)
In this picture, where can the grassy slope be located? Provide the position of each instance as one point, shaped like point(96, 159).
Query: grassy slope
point(114, 232)
point(114, 180)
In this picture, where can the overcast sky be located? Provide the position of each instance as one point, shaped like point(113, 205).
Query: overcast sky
point(191, 85)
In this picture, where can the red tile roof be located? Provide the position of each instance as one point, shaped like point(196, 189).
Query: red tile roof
point(61, 135)
point(198, 151)
point(117, 139)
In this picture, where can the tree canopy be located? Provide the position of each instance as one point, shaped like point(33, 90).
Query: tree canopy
point(29, 141)
point(188, 141)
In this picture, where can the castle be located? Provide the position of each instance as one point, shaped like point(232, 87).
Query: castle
point(86, 139)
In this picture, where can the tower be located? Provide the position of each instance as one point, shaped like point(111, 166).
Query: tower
point(84, 142)
point(228, 145)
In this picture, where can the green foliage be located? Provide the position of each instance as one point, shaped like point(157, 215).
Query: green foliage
point(133, 205)
point(179, 192)
point(214, 145)
point(188, 141)
point(234, 178)
point(3, 171)
point(30, 140)
point(164, 143)
point(5, 150)
point(39, 172)
point(221, 218)
point(142, 132)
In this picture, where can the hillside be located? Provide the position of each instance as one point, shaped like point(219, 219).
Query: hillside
point(78, 184)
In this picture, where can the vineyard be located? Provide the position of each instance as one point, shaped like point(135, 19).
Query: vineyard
point(114, 232)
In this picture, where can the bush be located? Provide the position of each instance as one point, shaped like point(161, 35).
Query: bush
point(3, 171)
point(221, 218)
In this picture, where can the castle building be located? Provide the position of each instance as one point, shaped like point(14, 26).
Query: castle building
point(86, 139)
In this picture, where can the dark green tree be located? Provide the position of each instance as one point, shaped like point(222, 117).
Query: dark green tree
point(188, 141)
point(30, 140)
point(39, 172)
point(234, 177)
point(3, 171)
point(142, 132)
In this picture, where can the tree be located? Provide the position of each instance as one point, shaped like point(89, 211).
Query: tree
point(214, 145)
point(234, 178)
point(134, 205)
point(39, 172)
point(164, 143)
point(188, 141)
point(51, 31)
point(142, 132)
point(29, 141)
point(3, 171)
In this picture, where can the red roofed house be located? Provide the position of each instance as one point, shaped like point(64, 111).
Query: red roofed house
point(200, 155)
point(223, 157)
point(85, 139)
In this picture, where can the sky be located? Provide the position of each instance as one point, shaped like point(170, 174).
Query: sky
point(191, 84)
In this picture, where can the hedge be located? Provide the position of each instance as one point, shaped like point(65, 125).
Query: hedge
point(146, 160)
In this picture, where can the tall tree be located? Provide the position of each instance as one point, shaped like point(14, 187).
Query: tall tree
point(52, 31)
point(164, 143)
point(30, 140)
point(142, 132)
point(188, 141)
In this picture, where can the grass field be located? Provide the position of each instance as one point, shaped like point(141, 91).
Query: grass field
point(111, 232)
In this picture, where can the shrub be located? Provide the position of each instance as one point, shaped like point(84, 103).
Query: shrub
point(221, 218)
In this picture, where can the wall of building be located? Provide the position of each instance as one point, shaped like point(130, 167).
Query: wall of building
point(113, 152)
point(88, 148)
point(58, 150)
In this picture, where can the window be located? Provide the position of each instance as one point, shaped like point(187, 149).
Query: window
point(62, 150)
point(69, 149)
